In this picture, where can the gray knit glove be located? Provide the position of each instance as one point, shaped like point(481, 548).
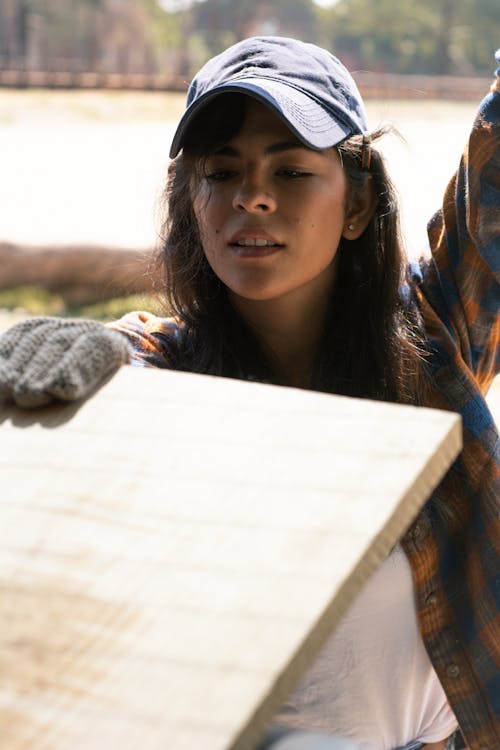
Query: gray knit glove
point(47, 359)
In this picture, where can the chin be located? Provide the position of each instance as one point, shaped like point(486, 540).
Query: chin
point(255, 294)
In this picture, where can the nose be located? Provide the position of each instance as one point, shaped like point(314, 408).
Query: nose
point(252, 197)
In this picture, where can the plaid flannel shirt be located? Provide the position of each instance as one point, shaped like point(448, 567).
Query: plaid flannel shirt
point(455, 565)
point(456, 569)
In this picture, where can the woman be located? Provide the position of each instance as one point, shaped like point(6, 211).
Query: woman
point(283, 263)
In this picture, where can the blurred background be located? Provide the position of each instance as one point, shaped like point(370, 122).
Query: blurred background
point(91, 90)
point(173, 37)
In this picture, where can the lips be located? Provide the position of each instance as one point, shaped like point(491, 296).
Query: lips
point(255, 242)
point(253, 237)
point(251, 243)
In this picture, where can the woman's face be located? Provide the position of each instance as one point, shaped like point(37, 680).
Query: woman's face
point(271, 212)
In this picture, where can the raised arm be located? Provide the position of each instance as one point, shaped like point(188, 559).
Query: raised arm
point(462, 282)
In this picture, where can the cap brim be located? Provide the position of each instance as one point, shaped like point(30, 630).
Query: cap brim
point(314, 125)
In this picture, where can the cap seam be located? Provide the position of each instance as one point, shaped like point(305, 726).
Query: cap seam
point(345, 121)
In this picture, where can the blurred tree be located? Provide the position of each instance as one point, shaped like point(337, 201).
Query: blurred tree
point(176, 36)
point(222, 22)
point(475, 35)
point(166, 29)
point(95, 35)
point(14, 20)
point(431, 36)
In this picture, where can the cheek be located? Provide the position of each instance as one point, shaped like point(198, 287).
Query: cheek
point(324, 230)
point(204, 221)
point(210, 237)
point(332, 213)
point(208, 216)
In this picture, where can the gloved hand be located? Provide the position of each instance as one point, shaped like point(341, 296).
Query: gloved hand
point(46, 359)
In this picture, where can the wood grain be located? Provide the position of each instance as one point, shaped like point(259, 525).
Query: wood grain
point(175, 550)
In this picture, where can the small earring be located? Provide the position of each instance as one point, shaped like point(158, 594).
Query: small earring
point(351, 227)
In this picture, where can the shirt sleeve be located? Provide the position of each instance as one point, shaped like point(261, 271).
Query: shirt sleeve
point(462, 280)
point(154, 340)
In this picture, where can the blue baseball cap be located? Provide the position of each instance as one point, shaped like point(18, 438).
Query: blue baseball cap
point(307, 87)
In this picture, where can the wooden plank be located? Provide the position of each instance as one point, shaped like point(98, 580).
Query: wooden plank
point(174, 551)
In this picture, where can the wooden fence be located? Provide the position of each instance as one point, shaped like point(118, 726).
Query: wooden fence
point(372, 85)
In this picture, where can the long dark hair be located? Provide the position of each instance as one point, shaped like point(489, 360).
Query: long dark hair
point(371, 343)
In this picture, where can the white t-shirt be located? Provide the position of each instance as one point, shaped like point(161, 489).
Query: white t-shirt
point(373, 681)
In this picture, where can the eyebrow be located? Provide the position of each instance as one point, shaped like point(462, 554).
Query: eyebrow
point(274, 148)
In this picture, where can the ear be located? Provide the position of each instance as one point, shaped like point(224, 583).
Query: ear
point(360, 209)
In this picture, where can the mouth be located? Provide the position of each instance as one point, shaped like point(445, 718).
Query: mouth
point(255, 242)
point(250, 247)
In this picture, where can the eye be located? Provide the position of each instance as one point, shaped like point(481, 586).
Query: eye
point(219, 175)
point(293, 174)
